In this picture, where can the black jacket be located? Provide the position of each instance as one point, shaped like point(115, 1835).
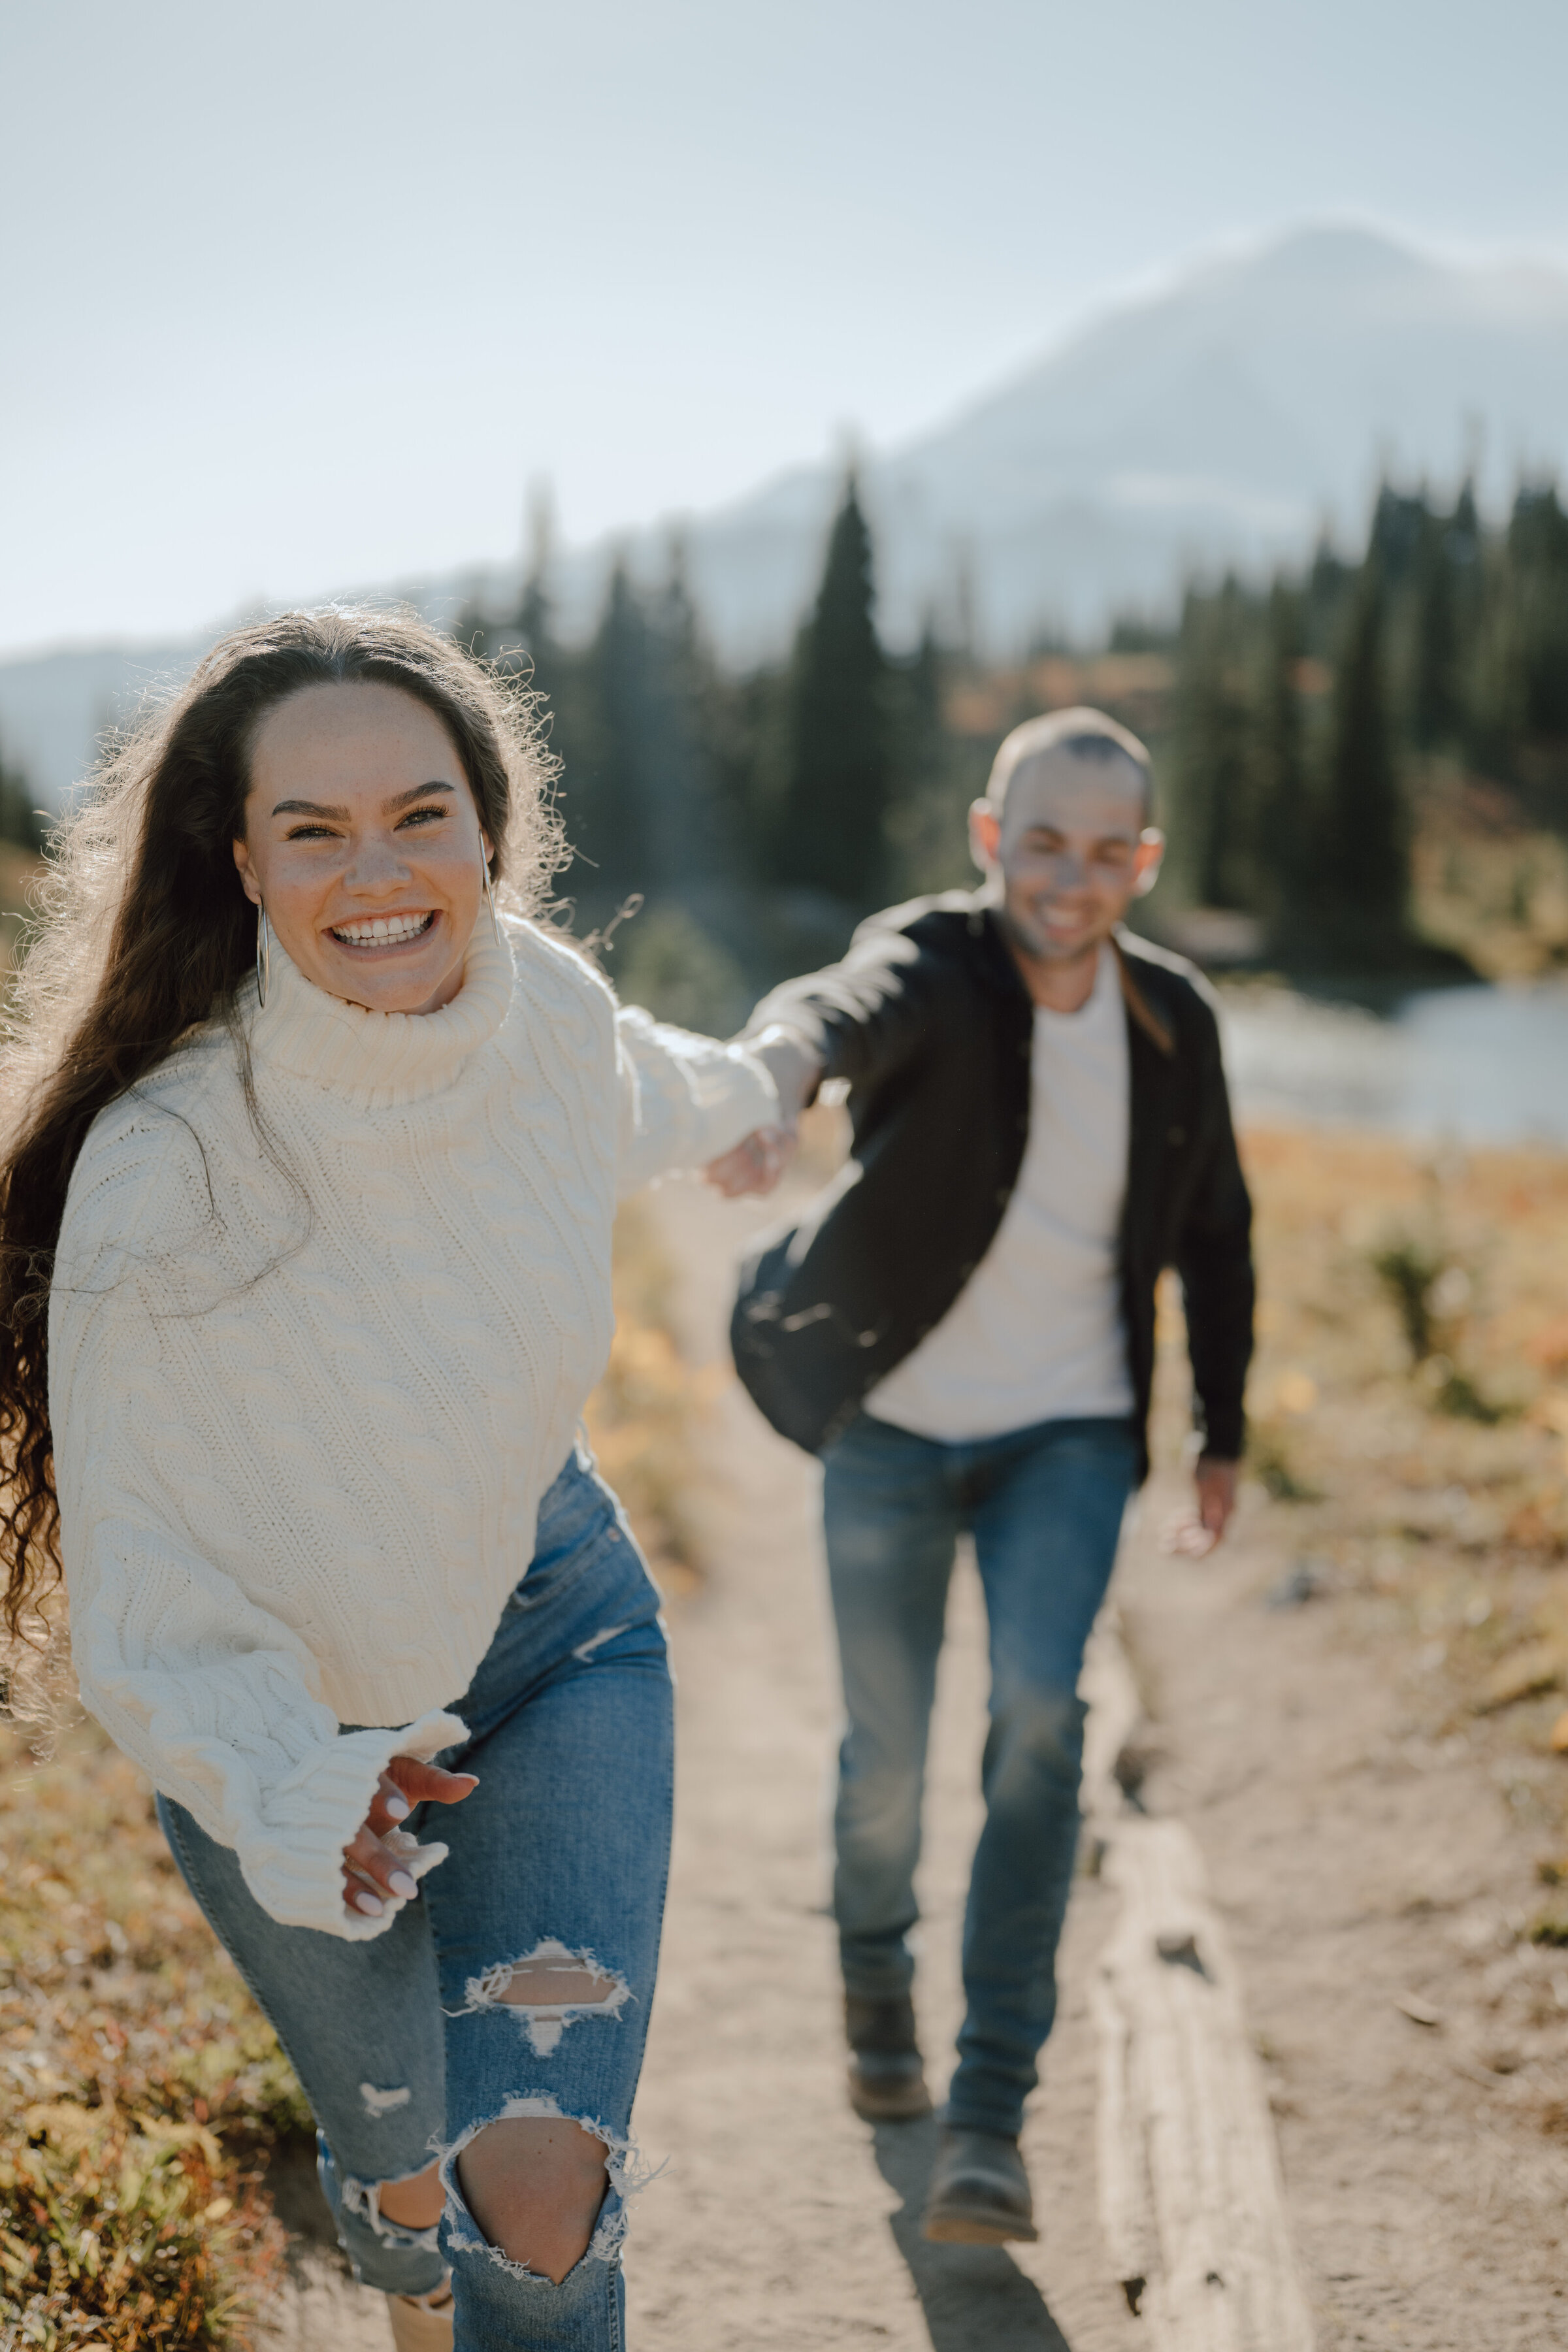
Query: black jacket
point(928, 1020)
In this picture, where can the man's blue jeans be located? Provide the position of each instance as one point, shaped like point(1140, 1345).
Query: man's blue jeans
point(1044, 1506)
point(406, 2046)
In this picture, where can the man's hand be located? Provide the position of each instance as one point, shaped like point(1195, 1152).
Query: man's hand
point(755, 1165)
point(1196, 1534)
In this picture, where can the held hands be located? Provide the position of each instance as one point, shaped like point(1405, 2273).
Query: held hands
point(758, 1161)
point(755, 1165)
point(1194, 1534)
point(376, 1857)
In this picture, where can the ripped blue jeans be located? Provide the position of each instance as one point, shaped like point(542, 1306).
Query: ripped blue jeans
point(557, 1868)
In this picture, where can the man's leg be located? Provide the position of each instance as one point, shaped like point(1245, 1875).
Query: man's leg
point(891, 1520)
point(1047, 1520)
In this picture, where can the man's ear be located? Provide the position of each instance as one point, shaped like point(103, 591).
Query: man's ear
point(984, 836)
point(1150, 857)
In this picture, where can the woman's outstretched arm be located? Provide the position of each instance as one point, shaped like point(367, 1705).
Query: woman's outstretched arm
point(684, 1100)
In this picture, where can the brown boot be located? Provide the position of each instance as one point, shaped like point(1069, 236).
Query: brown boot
point(979, 2193)
point(887, 2080)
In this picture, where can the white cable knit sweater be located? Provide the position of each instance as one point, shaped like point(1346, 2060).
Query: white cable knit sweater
point(302, 1428)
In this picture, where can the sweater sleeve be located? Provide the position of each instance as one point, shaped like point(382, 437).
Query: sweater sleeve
point(211, 1692)
point(683, 1099)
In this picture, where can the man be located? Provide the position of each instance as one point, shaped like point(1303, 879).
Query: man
point(962, 1326)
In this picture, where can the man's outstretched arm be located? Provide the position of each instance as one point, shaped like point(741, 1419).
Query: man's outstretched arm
point(855, 1020)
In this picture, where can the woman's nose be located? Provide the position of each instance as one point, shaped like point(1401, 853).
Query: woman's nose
point(375, 866)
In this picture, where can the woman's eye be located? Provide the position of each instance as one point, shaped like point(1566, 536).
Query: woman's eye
point(310, 832)
point(418, 816)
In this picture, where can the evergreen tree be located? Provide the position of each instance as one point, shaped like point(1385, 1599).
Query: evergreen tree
point(1537, 581)
point(830, 835)
point(606, 798)
point(1437, 702)
point(1465, 535)
point(1286, 844)
point(1363, 853)
point(930, 792)
point(1330, 585)
point(1216, 802)
point(1399, 530)
point(679, 766)
point(19, 820)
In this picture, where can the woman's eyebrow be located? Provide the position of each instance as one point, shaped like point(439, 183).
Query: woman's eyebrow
point(340, 815)
point(417, 792)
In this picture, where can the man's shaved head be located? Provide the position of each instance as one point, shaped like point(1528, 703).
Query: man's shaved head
point(1064, 836)
point(1068, 746)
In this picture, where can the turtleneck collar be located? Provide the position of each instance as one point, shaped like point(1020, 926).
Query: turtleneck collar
point(380, 1059)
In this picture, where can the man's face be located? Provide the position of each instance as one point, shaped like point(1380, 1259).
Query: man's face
point(1072, 851)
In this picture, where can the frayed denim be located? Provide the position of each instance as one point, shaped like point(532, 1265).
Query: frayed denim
point(404, 2045)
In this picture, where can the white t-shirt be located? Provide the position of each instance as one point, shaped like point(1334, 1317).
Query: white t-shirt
point(1036, 1334)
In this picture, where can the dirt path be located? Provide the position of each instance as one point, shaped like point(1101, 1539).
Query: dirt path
point(1358, 1866)
point(782, 2221)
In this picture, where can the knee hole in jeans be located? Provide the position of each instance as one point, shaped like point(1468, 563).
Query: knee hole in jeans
point(550, 1988)
point(534, 2185)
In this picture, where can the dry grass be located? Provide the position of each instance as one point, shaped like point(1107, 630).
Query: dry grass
point(640, 1417)
point(1498, 892)
point(140, 2086)
point(1410, 1405)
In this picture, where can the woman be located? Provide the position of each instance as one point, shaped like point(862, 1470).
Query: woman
point(314, 1157)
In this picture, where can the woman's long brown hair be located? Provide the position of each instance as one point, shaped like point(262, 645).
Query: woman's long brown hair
point(143, 933)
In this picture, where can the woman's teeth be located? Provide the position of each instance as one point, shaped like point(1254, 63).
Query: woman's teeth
point(382, 930)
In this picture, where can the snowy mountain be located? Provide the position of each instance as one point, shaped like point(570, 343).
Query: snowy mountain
point(1224, 420)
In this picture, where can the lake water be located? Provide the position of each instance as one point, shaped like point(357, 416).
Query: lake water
point(1479, 1064)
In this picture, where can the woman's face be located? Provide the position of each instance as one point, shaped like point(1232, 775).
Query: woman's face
point(363, 843)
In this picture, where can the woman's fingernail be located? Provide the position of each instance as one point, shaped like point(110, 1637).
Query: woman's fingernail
point(399, 1807)
point(371, 1903)
point(401, 1883)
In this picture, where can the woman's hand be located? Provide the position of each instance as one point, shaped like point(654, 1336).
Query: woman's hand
point(376, 1859)
point(755, 1165)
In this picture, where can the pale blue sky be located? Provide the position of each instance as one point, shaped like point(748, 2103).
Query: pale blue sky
point(304, 296)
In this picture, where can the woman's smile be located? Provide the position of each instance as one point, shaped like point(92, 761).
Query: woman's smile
point(372, 934)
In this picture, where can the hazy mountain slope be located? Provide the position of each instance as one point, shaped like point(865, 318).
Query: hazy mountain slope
point(1220, 420)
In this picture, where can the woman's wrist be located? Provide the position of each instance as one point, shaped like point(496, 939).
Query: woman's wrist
point(795, 1066)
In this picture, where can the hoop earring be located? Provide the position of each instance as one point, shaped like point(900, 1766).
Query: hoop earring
point(489, 894)
point(263, 953)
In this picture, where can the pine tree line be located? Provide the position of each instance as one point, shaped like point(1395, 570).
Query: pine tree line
point(1311, 719)
point(759, 817)
point(756, 817)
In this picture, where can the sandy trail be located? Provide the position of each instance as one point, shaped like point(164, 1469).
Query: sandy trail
point(1354, 1865)
point(1355, 1862)
point(781, 2219)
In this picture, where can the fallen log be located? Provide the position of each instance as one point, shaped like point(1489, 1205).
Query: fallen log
point(1192, 2202)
